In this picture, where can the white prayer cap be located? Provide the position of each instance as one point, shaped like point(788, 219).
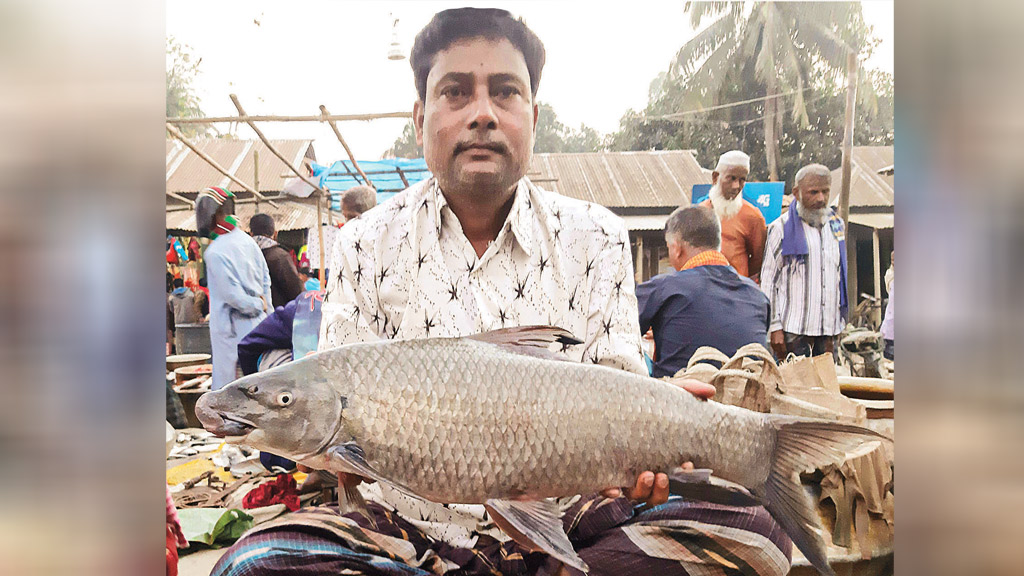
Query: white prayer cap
point(733, 158)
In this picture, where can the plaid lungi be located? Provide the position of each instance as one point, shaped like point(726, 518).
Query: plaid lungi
point(611, 535)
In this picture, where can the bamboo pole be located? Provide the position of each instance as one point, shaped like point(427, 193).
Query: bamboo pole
point(177, 196)
point(876, 314)
point(844, 190)
point(256, 175)
point(320, 233)
point(177, 134)
point(266, 142)
point(272, 118)
point(334, 126)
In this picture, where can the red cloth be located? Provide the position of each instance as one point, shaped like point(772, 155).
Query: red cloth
point(281, 491)
point(175, 537)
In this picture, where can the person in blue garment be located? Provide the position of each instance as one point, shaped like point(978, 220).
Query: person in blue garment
point(706, 302)
point(237, 277)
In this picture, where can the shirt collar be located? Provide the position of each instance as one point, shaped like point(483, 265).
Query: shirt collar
point(519, 218)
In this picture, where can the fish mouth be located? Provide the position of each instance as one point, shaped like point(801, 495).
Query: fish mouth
point(226, 425)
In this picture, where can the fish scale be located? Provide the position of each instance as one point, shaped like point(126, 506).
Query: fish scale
point(494, 419)
point(565, 428)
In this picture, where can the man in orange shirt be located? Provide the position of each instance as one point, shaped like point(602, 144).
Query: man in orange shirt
point(743, 227)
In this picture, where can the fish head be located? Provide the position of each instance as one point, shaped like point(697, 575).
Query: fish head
point(290, 410)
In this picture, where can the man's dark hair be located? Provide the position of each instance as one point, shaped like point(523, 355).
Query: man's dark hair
point(449, 26)
point(178, 283)
point(696, 225)
point(261, 225)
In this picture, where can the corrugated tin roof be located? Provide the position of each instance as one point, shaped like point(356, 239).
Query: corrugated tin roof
point(879, 221)
point(645, 222)
point(291, 215)
point(622, 179)
point(868, 188)
point(188, 173)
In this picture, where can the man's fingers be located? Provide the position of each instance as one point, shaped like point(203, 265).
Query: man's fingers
point(699, 389)
point(659, 495)
point(644, 485)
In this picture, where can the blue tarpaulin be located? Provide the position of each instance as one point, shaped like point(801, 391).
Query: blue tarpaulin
point(386, 176)
point(766, 196)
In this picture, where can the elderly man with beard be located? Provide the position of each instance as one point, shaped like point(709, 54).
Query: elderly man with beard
point(743, 226)
point(804, 272)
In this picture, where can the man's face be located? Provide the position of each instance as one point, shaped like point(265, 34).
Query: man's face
point(730, 180)
point(813, 191)
point(477, 124)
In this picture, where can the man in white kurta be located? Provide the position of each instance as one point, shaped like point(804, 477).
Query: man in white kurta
point(237, 277)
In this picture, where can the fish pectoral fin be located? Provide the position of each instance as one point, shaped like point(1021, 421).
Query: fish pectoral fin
point(350, 500)
point(701, 485)
point(529, 340)
point(351, 459)
point(535, 524)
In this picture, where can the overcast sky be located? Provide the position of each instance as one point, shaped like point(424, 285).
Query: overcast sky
point(287, 58)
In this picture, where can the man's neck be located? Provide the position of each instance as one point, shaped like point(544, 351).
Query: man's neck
point(481, 215)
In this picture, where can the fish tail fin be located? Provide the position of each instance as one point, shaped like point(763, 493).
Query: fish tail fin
point(803, 445)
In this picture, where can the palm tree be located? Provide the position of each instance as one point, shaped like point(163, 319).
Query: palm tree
point(783, 41)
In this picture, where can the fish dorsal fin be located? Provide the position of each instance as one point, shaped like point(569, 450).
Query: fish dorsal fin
point(535, 524)
point(529, 340)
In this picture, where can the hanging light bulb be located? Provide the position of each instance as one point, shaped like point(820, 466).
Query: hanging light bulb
point(395, 51)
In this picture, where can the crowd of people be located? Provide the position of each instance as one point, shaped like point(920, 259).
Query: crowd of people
point(479, 246)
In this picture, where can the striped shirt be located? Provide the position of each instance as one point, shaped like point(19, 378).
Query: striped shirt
point(803, 291)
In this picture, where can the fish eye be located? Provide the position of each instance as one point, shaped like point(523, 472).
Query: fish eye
point(284, 398)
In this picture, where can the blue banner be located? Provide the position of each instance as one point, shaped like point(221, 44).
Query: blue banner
point(765, 196)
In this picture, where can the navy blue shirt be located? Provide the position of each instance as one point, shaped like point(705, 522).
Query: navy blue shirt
point(274, 332)
point(703, 306)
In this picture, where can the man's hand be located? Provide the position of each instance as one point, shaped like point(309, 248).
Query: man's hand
point(778, 341)
point(264, 301)
point(651, 488)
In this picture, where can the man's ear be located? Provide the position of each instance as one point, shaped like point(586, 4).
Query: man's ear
point(714, 178)
point(417, 121)
point(536, 115)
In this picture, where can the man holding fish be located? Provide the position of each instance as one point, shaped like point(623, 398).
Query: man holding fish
point(436, 378)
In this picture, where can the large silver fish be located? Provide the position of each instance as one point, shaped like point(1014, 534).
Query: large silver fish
point(496, 419)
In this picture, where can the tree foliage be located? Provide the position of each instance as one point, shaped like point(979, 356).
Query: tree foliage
point(553, 136)
point(182, 69)
point(780, 45)
point(742, 127)
point(405, 146)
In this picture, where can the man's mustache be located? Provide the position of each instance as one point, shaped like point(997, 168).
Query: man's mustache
point(496, 147)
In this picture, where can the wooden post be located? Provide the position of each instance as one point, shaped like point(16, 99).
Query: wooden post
point(876, 314)
point(256, 175)
point(320, 234)
point(326, 114)
point(639, 256)
point(844, 191)
point(177, 196)
point(266, 142)
point(177, 134)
